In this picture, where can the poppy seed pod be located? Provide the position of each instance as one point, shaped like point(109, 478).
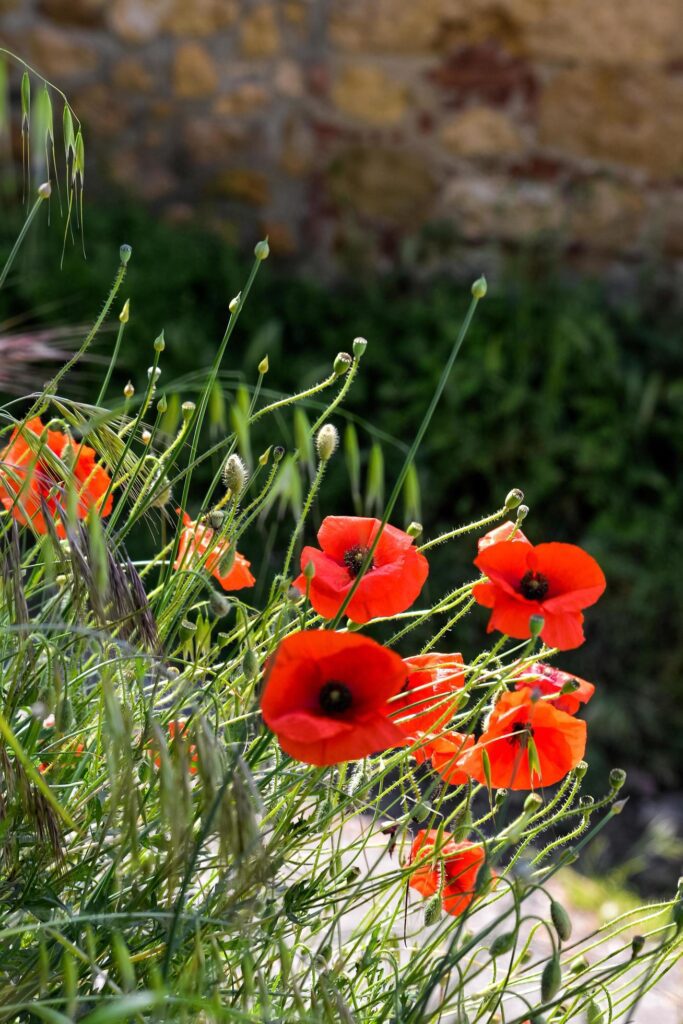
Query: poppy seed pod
point(342, 363)
point(326, 442)
point(617, 778)
point(234, 474)
point(514, 498)
point(187, 409)
point(125, 253)
point(359, 347)
point(414, 529)
point(522, 513)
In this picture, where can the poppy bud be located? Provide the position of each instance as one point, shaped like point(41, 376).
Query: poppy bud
point(522, 513)
point(479, 288)
point(433, 910)
point(617, 778)
point(359, 347)
point(579, 965)
point(341, 363)
point(551, 979)
point(128, 390)
point(250, 664)
point(125, 312)
point(162, 405)
point(187, 409)
point(502, 944)
point(160, 343)
point(561, 920)
point(263, 366)
point(278, 452)
point(536, 624)
point(220, 605)
point(45, 190)
point(326, 442)
point(637, 943)
point(234, 304)
point(514, 498)
point(309, 570)
point(414, 529)
point(264, 459)
point(234, 474)
point(125, 253)
point(262, 250)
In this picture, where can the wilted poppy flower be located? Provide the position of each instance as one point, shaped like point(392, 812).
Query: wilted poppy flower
point(552, 580)
point(446, 754)
point(29, 476)
point(325, 696)
point(503, 532)
point(427, 698)
point(196, 540)
point(550, 681)
point(529, 743)
point(391, 584)
point(440, 864)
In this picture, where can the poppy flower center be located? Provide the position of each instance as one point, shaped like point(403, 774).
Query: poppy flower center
point(521, 733)
point(354, 558)
point(335, 698)
point(534, 586)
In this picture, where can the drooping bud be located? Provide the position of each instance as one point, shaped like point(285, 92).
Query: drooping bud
point(551, 979)
point(341, 364)
point(502, 944)
point(579, 965)
point(129, 390)
point(536, 624)
point(219, 603)
point(160, 343)
point(227, 561)
point(514, 498)
point(479, 288)
point(414, 529)
point(234, 474)
point(124, 315)
point(359, 347)
point(45, 190)
point(561, 920)
point(326, 442)
point(187, 409)
point(262, 250)
point(125, 253)
point(263, 366)
point(234, 304)
point(250, 664)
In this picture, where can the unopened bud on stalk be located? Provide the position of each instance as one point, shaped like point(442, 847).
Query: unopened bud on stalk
point(220, 605)
point(617, 778)
point(309, 570)
point(433, 910)
point(125, 312)
point(278, 453)
point(502, 944)
point(187, 409)
point(160, 343)
point(522, 513)
point(479, 288)
point(326, 442)
point(162, 405)
point(45, 190)
point(579, 965)
point(514, 498)
point(414, 529)
point(234, 304)
point(421, 810)
point(551, 979)
point(125, 253)
point(359, 347)
point(263, 366)
point(536, 624)
point(264, 459)
point(146, 436)
point(594, 1014)
point(234, 474)
point(129, 390)
point(561, 920)
point(227, 561)
point(618, 806)
point(154, 372)
point(262, 250)
point(637, 943)
point(250, 664)
point(341, 363)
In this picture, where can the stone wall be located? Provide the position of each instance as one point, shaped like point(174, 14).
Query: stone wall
point(356, 128)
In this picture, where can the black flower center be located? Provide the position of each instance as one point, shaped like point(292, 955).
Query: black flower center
point(335, 697)
point(533, 586)
point(354, 558)
point(521, 733)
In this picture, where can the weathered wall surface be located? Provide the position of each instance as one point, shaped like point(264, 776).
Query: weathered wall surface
point(346, 126)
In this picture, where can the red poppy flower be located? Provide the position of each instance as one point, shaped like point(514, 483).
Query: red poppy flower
point(446, 754)
point(427, 698)
point(325, 696)
point(196, 540)
point(500, 533)
point(549, 681)
point(559, 742)
point(391, 584)
point(29, 478)
point(437, 858)
point(552, 580)
point(176, 732)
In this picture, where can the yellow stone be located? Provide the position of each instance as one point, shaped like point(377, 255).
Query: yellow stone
point(482, 132)
point(368, 94)
point(194, 72)
point(259, 32)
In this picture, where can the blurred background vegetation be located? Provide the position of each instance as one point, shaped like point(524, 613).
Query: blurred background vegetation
point(561, 390)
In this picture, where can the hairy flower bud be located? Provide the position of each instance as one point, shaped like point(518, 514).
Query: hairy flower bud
point(234, 474)
point(433, 910)
point(326, 442)
point(250, 664)
point(219, 603)
point(514, 498)
point(502, 944)
point(359, 347)
point(341, 363)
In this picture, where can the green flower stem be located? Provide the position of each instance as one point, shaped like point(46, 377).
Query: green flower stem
point(20, 238)
point(460, 530)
